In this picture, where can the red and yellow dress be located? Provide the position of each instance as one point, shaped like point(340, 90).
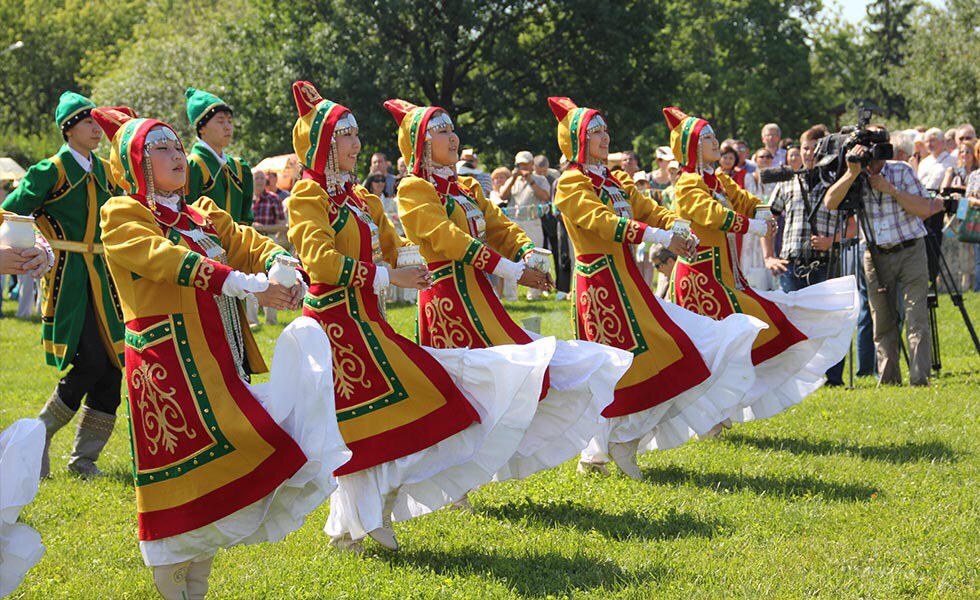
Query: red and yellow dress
point(688, 372)
point(808, 331)
point(463, 237)
point(217, 461)
point(424, 426)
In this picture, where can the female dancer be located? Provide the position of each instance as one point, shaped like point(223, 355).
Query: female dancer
point(463, 238)
point(808, 331)
point(217, 462)
point(425, 426)
point(688, 372)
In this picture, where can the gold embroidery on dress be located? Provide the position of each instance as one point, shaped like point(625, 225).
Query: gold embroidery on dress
point(602, 325)
point(446, 331)
point(161, 414)
point(696, 296)
point(482, 259)
point(204, 272)
point(360, 275)
point(348, 368)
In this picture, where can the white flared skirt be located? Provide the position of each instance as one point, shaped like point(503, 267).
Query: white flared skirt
point(300, 398)
point(503, 384)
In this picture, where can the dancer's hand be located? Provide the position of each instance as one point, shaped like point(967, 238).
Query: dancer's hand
point(416, 277)
point(16, 262)
point(682, 246)
point(538, 280)
point(279, 297)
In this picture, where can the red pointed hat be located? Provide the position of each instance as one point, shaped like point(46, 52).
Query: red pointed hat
point(413, 121)
point(313, 131)
point(685, 131)
point(573, 122)
point(128, 135)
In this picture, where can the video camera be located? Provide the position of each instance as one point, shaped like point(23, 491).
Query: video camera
point(834, 152)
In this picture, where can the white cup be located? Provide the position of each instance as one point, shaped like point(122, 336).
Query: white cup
point(283, 271)
point(540, 260)
point(17, 231)
point(681, 227)
point(409, 256)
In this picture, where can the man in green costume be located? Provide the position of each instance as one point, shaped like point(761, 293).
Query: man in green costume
point(81, 324)
point(225, 179)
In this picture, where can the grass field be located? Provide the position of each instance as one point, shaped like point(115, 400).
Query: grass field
point(865, 493)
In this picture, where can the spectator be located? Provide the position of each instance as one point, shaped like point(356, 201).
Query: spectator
point(728, 164)
point(959, 255)
point(903, 146)
point(660, 177)
point(933, 166)
point(753, 181)
point(614, 161)
point(375, 183)
point(742, 147)
point(272, 186)
point(505, 288)
point(770, 139)
point(628, 162)
point(897, 205)
point(402, 168)
point(380, 164)
point(663, 262)
point(270, 220)
point(973, 193)
point(808, 237)
point(529, 196)
point(641, 179)
point(950, 139)
point(667, 195)
point(794, 157)
point(497, 179)
point(471, 168)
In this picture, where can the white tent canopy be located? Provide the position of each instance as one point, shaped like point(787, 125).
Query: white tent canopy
point(9, 169)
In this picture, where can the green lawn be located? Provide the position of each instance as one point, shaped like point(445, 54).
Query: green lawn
point(853, 494)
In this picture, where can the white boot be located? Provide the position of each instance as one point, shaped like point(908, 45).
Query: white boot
point(587, 467)
point(197, 579)
point(624, 455)
point(171, 580)
point(385, 535)
point(462, 504)
point(345, 543)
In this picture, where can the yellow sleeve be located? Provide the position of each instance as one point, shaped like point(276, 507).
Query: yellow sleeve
point(425, 220)
point(503, 235)
point(644, 208)
point(389, 238)
point(578, 202)
point(248, 250)
point(310, 231)
point(742, 201)
point(693, 201)
point(134, 241)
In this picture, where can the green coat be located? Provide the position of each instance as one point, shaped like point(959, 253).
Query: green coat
point(65, 202)
point(229, 185)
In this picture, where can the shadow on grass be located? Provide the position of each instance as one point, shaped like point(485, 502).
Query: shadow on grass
point(624, 526)
point(905, 452)
point(784, 487)
point(534, 575)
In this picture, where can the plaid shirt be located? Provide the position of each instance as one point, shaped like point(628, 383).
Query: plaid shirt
point(788, 198)
point(268, 209)
point(891, 223)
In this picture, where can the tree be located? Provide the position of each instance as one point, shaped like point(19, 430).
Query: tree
point(940, 74)
point(886, 37)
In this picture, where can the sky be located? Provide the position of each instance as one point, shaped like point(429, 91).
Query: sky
point(854, 10)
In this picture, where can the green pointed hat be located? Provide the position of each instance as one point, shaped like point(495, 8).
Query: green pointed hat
point(201, 106)
point(72, 108)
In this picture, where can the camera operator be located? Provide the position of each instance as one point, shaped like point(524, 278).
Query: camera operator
point(808, 233)
point(895, 203)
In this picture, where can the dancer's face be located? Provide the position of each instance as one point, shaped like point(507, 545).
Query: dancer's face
point(598, 142)
point(445, 143)
point(709, 149)
point(348, 147)
point(169, 165)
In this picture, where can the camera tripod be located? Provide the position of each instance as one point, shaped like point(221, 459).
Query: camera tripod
point(955, 296)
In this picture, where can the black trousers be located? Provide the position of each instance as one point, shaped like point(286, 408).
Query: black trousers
point(92, 374)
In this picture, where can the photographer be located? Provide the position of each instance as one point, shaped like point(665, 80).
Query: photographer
point(895, 204)
point(808, 233)
point(529, 195)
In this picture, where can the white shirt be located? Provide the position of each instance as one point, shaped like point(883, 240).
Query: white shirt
point(932, 170)
point(522, 193)
point(85, 163)
point(221, 157)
